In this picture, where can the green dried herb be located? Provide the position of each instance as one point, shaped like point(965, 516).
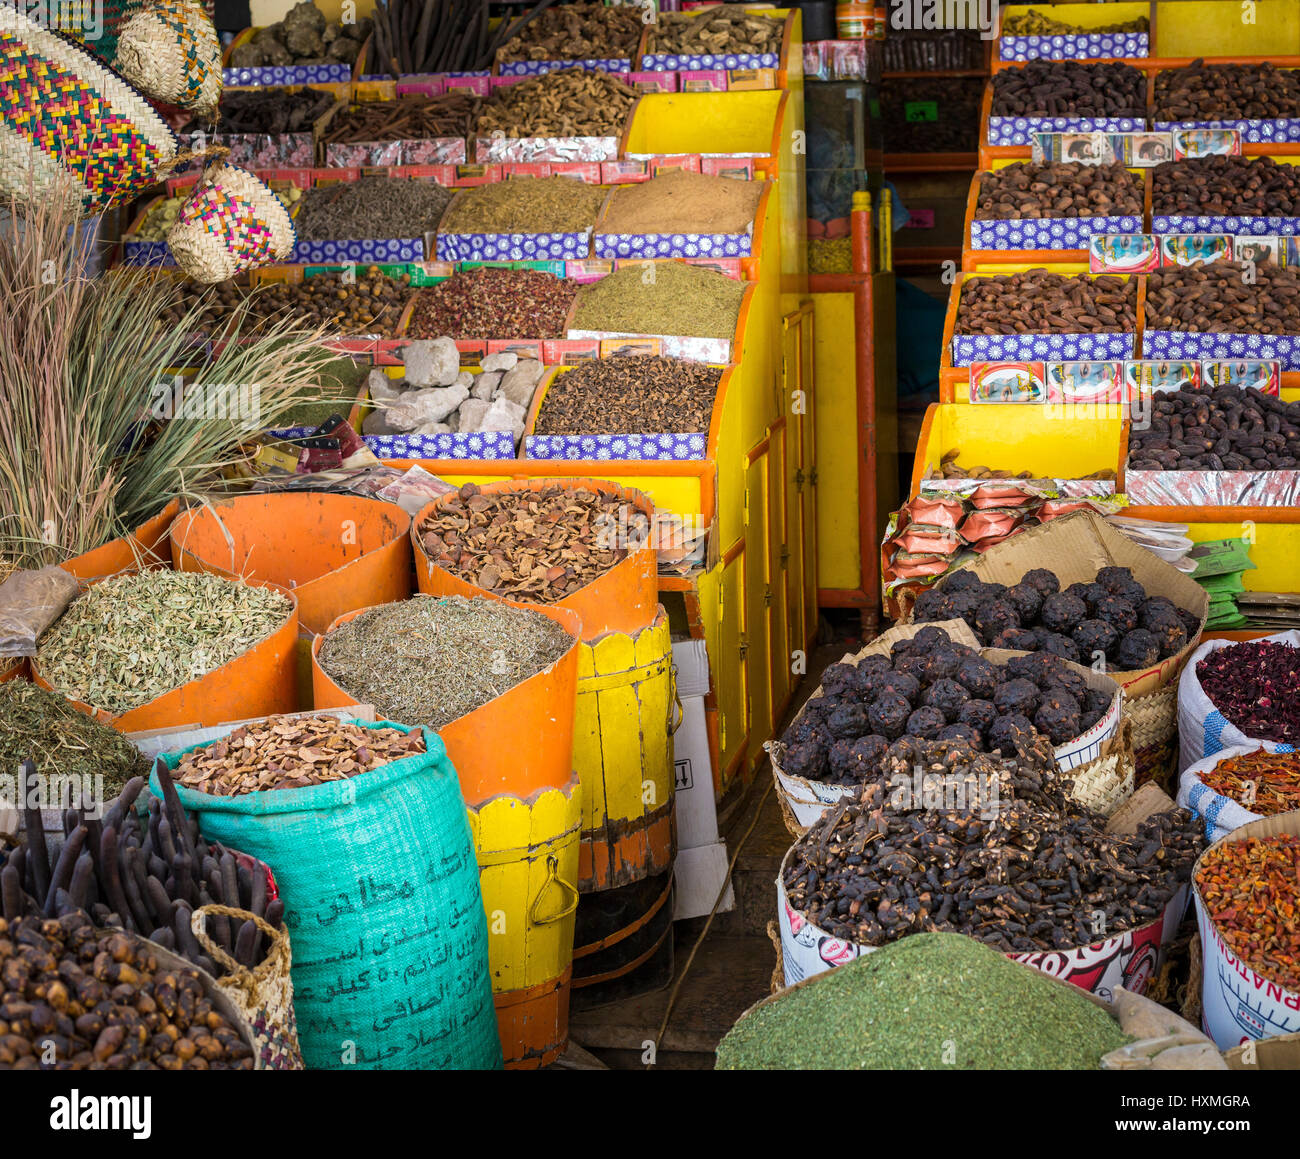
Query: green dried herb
point(661, 298)
point(525, 205)
point(131, 638)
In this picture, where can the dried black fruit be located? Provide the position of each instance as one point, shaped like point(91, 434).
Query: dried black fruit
point(944, 662)
point(930, 637)
point(961, 732)
point(1138, 649)
point(1056, 674)
point(979, 714)
point(906, 686)
point(1063, 613)
point(1026, 599)
point(1094, 636)
point(1007, 732)
point(961, 580)
point(1114, 579)
point(978, 676)
point(1096, 701)
point(848, 722)
point(888, 715)
point(806, 728)
point(1045, 581)
point(1059, 645)
point(947, 696)
point(1016, 696)
point(1016, 640)
point(1118, 613)
point(1190, 622)
point(840, 678)
point(995, 617)
point(926, 722)
point(1058, 716)
point(805, 760)
point(916, 664)
point(854, 761)
point(899, 649)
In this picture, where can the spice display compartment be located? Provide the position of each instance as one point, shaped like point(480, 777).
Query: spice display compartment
point(1090, 45)
point(274, 76)
point(570, 245)
point(1258, 225)
point(788, 66)
point(499, 150)
point(385, 154)
point(748, 123)
point(250, 150)
point(646, 246)
point(1017, 132)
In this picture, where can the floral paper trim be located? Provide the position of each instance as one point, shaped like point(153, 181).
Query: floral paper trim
point(1170, 345)
point(968, 348)
point(515, 247)
point(1075, 46)
point(1021, 130)
point(677, 447)
point(1048, 233)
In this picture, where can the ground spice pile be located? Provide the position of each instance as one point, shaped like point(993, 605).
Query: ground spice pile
point(661, 298)
point(682, 202)
point(526, 205)
point(489, 302)
point(641, 394)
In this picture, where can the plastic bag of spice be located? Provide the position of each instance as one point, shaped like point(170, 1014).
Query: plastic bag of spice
point(1223, 813)
point(1261, 684)
point(30, 601)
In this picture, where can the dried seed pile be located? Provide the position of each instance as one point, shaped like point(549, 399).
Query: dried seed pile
point(104, 1002)
point(662, 298)
point(431, 660)
point(1038, 302)
point(907, 1006)
point(44, 727)
point(1035, 23)
point(1016, 863)
point(288, 753)
point(271, 111)
point(131, 638)
point(1216, 298)
point(1263, 782)
point(682, 202)
point(493, 303)
point(536, 544)
point(568, 103)
point(370, 303)
point(610, 396)
point(373, 207)
point(1057, 189)
point(1066, 88)
point(1251, 889)
point(721, 30)
point(1235, 186)
point(577, 32)
point(1256, 686)
point(526, 205)
point(212, 304)
point(1230, 429)
point(409, 118)
point(1225, 92)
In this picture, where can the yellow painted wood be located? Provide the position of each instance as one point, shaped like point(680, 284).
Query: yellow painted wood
point(723, 612)
point(1217, 28)
point(836, 418)
point(779, 645)
point(514, 839)
point(1275, 552)
point(758, 618)
point(739, 122)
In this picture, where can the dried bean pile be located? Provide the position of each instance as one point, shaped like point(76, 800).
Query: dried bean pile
point(1216, 298)
point(536, 544)
point(526, 205)
point(1229, 429)
point(372, 207)
point(212, 304)
point(1264, 783)
point(288, 753)
point(933, 688)
point(577, 32)
point(493, 303)
point(104, 1002)
point(666, 298)
point(1251, 890)
point(682, 202)
point(270, 111)
point(642, 394)
point(1235, 186)
point(1057, 189)
point(430, 660)
point(1035, 23)
point(726, 29)
point(1112, 615)
point(143, 872)
point(410, 118)
point(1066, 88)
point(1038, 302)
point(1226, 92)
point(1021, 867)
point(1256, 686)
point(371, 304)
point(568, 103)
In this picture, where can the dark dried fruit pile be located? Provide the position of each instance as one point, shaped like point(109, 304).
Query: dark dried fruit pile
point(493, 303)
point(1224, 92)
point(577, 32)
point(1256, 686)
point(1112, 615)
point(649, 395)
point(1217, 299)
point(1016, 864)
point(537, 544)
point(1038, 302)
point(1229, 429)
point(269, 111)
point(102, 1001)
point(1057, 189)
point(409, 118)
point(1066, 88)
point(567, 103)
point(1218, 185)
point(932, 688)
point(371, 303)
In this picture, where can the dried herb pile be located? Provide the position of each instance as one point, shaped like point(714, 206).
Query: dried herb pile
point(431, 660)
point(670, 298)
point(372, 207)
point(131, 638)
point(682, 202)
point(526, 205)
point(568, 103)
point(489, 302)
point(1263, 782)
point(1256, 685)
point(640, 394)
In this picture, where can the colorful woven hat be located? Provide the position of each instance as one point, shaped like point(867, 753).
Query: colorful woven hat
point(71, 127)
point(170, 51)
point(232, 222)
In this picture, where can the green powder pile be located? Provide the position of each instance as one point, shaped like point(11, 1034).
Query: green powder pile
point(669, 298)
point(925, 1002)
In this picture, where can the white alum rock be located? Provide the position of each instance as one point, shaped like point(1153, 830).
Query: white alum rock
point(504, 415)
point(431, 363)
point(518, 384)
point(500, 361)
point(418, 408)
point(471, 415)
point(382, 388)
point(485, 385)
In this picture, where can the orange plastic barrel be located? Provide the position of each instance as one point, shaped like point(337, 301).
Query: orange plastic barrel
point(518, 743)
point(145, 547)
point(12, 669)
point(260, 682)
point(624, 599)
point(337, 552)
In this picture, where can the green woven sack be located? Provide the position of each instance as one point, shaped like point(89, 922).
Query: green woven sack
point(382, 902)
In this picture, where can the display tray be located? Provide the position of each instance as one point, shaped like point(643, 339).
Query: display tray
point(541, 67)
point(473, 445)
point(1047, 233)
point(1076, 46)
point(268, 150)
point(496, 150)
point(274, 75)
point(1177, 345)
point(674, 245)
point(429, 151)
point(398, 249)
point(1254, 226)
point(697, 62)
point(1021, 130)
point(456, 247)
point(1275, 130)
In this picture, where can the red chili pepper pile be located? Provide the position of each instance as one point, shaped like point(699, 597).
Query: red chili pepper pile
point(1256, 685)
point(490, 302)
point(1265, 783)
point(1251, 889)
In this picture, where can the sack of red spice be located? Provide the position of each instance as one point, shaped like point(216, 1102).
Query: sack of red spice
point(1221, 812)
point(1243, 693)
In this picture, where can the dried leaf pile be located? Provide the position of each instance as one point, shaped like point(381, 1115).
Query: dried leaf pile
point(287, 753)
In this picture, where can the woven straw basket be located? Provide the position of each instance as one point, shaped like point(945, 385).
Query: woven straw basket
point(263, 995)
point(1104, 784)
point(70, 127)
point(231, 223)
point(1155, 735)
point(170, 50)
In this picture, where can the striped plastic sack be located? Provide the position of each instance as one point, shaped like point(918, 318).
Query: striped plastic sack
point(1221, 814)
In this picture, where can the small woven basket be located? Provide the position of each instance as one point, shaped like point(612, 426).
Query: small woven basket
point(1155, 735)
point(170, 51)
point(232, 222)
point(1105, 783)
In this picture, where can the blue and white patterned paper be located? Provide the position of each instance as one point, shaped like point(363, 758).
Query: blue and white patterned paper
point(676, 447)
point(398, 249)
point(512, 247)
point(476, 445)
point(673, 245)
point(289, 74)
point(968, 348)
point(146, 253)
point(1021, 130)
point(1168, 345)
point(667, 62)
point(1278, 129)
point(1256, 226)
point(541, 67)
point(1048, 233)
point(1075, 46)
